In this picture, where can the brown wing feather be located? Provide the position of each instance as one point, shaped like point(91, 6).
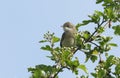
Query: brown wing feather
point(62, 39)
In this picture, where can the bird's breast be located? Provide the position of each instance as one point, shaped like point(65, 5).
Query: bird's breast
point(69, 40)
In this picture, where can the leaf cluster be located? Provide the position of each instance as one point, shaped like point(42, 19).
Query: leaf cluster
point(104, 69)
point(92, 44)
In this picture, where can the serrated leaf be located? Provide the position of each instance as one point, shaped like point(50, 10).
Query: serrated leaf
point(83, 67)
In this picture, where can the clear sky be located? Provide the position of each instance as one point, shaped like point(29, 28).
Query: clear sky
point(22, 25)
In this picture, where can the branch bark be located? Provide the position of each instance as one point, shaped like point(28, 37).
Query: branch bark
point(99, 25)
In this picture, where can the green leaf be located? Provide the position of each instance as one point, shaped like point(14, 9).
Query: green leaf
point(105, 40)
point(47, 47)
point(31, 69)
point(93, 58)
point(109, 62)
point(86, 34)
point(76, 63)
point(83, 76)
point(87, 46)
point(79, 41)
point(84, 22)
point(88, 55)
point(117, 69)
point(42, 41)
point(113, 44)
point(116, 29)
point(101, 73)
point(101, 30)
point(78, 25)
point(94, 75)
point(51, 57)
point(95, 52)
point(65, 54)
point(95, 18)
point(99, 1)
point(83, 67)
point(55, 39)
point(99, 13)
point(108, 2)
point(109, 12)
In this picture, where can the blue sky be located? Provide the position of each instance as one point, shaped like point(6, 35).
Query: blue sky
point(22, 25)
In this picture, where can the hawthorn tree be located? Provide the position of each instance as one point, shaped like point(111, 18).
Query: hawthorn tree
point(92, 44)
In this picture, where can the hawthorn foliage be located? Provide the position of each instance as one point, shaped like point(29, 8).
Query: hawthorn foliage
point(92, 44)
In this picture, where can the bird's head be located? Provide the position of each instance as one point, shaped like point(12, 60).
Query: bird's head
point(68, 26)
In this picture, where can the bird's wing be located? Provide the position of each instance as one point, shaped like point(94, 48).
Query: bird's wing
point(62, 39)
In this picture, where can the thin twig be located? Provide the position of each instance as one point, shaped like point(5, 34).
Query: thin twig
point(76, 50)
point(57, 72)
point(99, 53)
point(99, 25)
point(99, 48)
point(100, 58)
point(95, 44)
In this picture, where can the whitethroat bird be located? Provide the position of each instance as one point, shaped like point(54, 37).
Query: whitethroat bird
point(68, 37)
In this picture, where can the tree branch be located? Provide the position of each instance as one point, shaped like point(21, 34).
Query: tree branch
point(99, 25)
point(57, 72)
point(100, 58)
point(95, 44)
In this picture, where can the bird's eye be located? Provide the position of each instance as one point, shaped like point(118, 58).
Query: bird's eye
point(67, 25)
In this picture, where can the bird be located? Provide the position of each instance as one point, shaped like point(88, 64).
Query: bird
point(68, 37)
